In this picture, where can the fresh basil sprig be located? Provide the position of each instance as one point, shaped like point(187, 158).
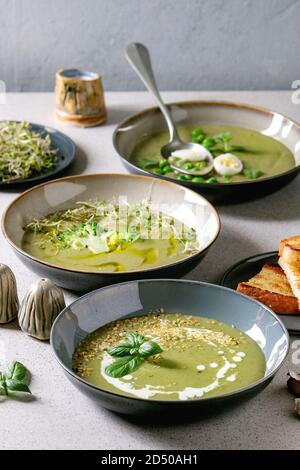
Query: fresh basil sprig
point(131, 353)
point(149, 348)
point(123, 366)
point(13, 381)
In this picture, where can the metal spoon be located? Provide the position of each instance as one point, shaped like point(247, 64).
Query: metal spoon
point(139, 58)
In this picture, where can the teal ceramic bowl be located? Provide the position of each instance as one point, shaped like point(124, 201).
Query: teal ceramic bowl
point(104, 305)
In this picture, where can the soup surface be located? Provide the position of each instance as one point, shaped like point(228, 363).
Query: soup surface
point(261, 156)
point(94, 236)
point(200, 358)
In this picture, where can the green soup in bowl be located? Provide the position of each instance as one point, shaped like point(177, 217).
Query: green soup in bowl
point(87, 231)
point(261, 156)
point(266, 144)
point(172, 357)
point(210, 345)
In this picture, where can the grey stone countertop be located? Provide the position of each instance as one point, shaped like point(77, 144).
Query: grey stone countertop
point(61, 417)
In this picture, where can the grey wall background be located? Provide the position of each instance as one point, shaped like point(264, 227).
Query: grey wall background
point(195, 44)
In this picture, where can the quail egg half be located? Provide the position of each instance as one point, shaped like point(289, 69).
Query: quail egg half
point(228, 164)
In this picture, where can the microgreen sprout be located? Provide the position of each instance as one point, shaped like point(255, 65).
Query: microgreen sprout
point(24, 152)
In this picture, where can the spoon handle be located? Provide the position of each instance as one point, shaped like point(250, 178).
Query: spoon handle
point(139, 58)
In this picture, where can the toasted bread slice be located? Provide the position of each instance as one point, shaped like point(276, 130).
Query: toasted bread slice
point(289, 261)
point(271, 287)
point(290, 249)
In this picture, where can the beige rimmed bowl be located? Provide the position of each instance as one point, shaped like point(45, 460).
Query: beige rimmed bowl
point(196, 113)
point(185, 205)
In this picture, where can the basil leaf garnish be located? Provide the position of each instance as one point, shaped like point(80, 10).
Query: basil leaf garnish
point(16, 371)
point(149, 348)
point(120, 350)
point(3, 390)
point(131, 354)
point(123, 366)
point(13, 381)
point(15, 386)
point(134, 339)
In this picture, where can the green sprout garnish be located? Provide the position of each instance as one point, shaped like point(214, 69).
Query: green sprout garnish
point(224, 139)
point(24, 152)
point(97, 225)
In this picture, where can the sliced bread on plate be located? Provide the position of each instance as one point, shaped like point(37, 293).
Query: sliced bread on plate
point(289, 261)
point(271, 287)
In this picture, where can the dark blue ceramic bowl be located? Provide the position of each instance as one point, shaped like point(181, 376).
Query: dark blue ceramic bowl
point(104, 305)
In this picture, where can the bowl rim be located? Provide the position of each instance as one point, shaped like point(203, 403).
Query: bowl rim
point(194, 103)
point(57, 170)
point(104, 175)
point(252, 386)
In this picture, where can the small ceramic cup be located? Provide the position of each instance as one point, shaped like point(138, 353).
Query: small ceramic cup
point(79, 98)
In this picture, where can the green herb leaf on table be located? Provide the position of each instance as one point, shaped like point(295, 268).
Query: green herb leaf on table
point(13, 381)
point(131, 353)
point(123, 366)
point(15, 386)
point(3, 389)
point(15, 371)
